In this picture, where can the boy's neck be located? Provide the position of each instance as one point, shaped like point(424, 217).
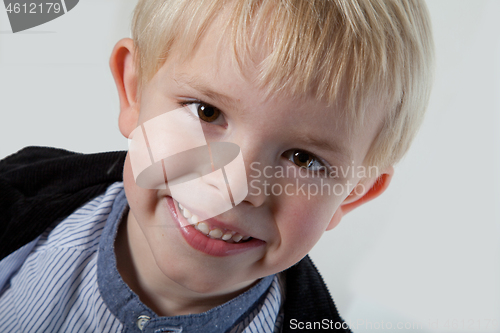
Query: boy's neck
point(138, 269)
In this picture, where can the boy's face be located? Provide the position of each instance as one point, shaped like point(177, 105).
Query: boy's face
point(284, 213)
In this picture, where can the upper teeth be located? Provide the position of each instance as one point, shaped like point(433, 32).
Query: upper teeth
point(226, 235)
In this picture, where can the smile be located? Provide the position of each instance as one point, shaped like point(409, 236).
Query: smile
point(211, 231)
point(211, 237)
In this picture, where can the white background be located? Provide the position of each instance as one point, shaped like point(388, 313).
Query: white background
point(426, 253)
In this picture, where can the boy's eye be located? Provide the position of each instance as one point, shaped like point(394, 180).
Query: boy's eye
point(304, 159)
point(208, 113)
point(205, 112)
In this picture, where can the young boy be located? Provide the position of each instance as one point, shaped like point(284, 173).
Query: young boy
point(254, 126)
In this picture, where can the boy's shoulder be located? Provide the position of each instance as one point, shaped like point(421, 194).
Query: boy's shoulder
point(308, 300)
point(45, 185)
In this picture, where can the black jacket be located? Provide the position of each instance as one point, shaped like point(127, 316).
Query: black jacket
point(39, 186)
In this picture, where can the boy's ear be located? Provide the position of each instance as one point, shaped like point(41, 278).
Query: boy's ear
point(361, 194)
point(123, 69)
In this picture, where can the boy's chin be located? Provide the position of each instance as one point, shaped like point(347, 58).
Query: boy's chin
point(208, 284)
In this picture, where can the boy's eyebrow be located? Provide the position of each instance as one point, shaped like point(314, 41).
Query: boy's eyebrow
point(344, 152)
point(194, 82)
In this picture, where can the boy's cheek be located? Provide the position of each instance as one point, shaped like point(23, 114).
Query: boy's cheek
point(314, 212)
point(305, 222)
point(129, 183)
point(140, 200)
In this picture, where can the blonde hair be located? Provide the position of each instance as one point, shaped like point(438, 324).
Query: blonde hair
point(354, 51)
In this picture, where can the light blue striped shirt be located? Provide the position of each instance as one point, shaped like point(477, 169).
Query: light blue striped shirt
point(66, 280)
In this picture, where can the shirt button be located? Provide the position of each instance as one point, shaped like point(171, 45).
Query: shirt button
point(142, 321)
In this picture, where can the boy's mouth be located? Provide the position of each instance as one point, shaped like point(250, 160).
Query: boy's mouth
point(210, 231)
point(211, 237)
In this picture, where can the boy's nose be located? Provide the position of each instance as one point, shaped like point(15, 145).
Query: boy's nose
point(217, 183)
point(256, 193)
point(255, 158)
